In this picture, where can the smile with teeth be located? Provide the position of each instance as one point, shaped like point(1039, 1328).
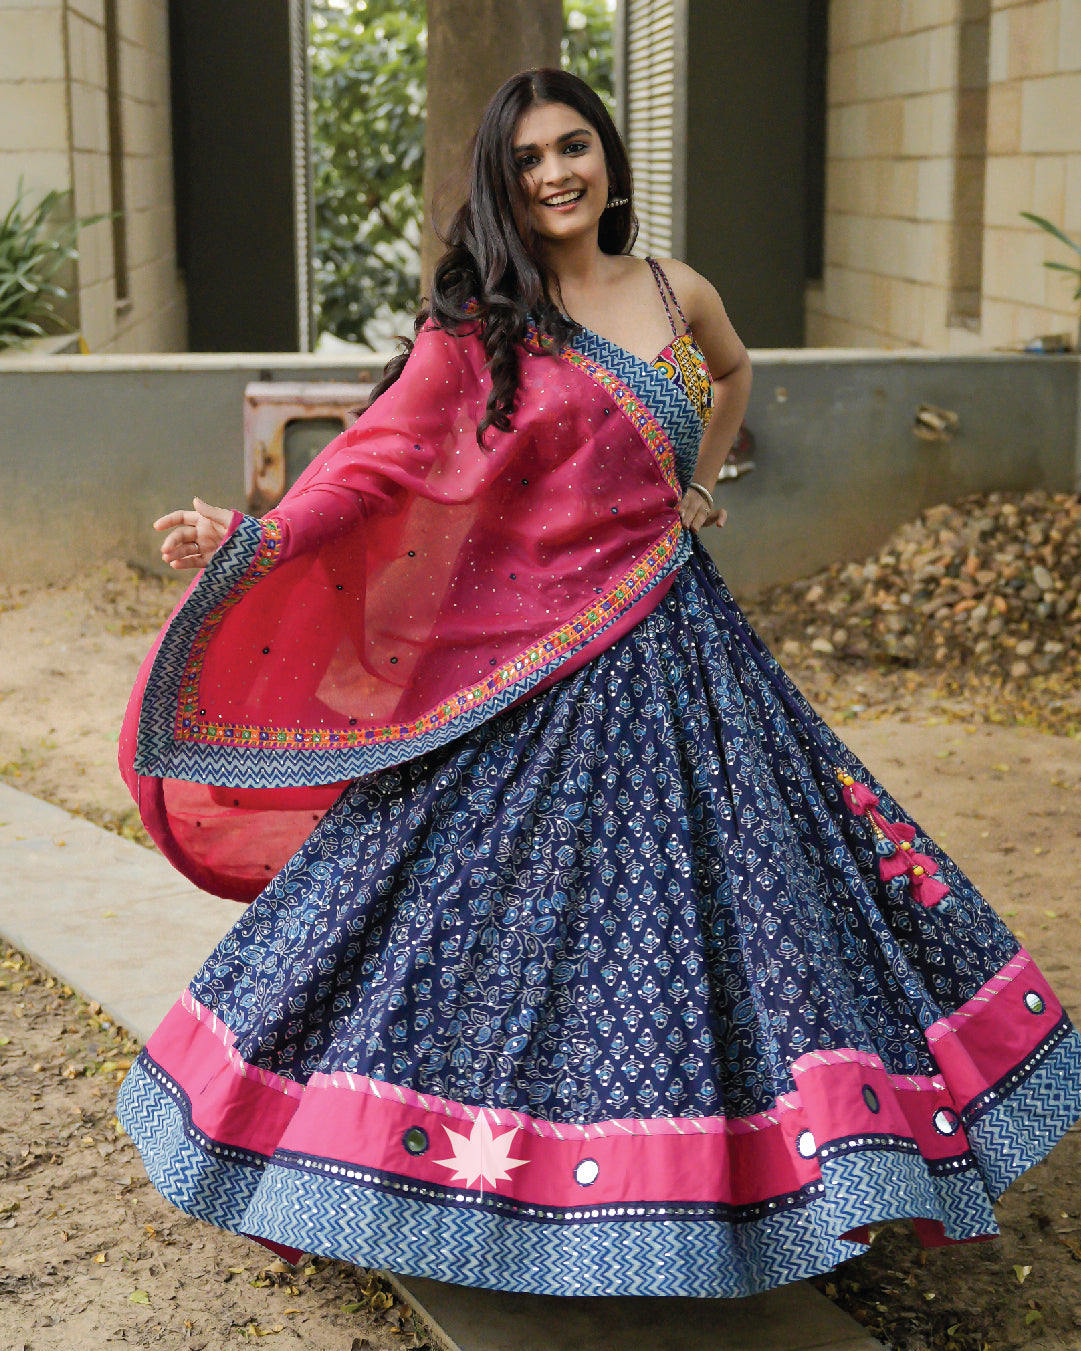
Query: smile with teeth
point(565, 198)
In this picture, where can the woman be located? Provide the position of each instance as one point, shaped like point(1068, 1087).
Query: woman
point(590, 962)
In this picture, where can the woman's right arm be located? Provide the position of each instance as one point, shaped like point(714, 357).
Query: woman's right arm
point(387, 454)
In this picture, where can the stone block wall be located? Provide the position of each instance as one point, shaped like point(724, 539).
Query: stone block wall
point(55, 112)
point(947, 118)
point(34, 138)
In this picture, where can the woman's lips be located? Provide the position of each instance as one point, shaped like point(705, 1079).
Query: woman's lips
point(559, 205)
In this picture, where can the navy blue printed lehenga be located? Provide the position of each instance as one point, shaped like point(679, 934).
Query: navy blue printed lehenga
point(644, 985)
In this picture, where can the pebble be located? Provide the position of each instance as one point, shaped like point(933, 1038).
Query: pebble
point(993, 581)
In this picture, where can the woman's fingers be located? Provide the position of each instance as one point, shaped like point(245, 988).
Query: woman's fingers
point(175, 518)
point(180, 540)
point(693, 510)
point(193, 535)
point(695, 513)
point(219, 515)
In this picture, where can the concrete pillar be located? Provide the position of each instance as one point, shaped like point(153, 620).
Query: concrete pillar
point(473, 46)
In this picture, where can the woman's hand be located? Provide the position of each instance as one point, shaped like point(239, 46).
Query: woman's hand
point(694, 511)
point(193, 535)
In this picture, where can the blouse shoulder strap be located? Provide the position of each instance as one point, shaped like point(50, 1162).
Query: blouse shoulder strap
point(666, 289)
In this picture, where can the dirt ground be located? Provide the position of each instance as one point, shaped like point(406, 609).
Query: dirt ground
point(89, 1254)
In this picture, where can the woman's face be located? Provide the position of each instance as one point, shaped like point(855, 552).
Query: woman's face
point(563, 172)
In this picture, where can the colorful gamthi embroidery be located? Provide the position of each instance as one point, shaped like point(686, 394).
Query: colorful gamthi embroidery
point(682, 361)
point(647, 425)
point(266, 555)
point(192, 725)
point(654, 402)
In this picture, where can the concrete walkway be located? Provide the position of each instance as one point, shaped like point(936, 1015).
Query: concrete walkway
point(117, 924)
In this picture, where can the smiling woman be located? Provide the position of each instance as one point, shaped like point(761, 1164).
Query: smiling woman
point(582, 958)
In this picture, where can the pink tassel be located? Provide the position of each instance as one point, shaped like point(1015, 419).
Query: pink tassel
point(893, 865)
point(898, 831)
point(859, 798)
point(903, 859)
point(928, 891)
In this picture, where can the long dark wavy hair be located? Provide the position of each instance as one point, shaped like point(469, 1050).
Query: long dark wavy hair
point(492, 276)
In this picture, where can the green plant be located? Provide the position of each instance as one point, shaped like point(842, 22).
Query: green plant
point(587, 44)
point(369, 84)
point(369, 77)
point(31, 255)
point(1055, 266)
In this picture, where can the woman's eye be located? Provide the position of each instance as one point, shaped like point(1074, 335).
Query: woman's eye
point(576, 147)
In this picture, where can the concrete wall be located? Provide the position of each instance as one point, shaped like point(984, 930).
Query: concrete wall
point(54, 131)
point(93, 449)
point(946, 119)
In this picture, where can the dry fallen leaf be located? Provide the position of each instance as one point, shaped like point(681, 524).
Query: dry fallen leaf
point(1021, 1273)
point(139, 1297)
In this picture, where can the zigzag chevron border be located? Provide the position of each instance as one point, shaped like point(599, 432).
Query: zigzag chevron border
point(459, 1237)
point(160, 754)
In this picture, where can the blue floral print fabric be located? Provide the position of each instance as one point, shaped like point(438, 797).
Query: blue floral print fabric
point(636, 894)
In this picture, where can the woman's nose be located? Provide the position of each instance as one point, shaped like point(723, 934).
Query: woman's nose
point(553, 169)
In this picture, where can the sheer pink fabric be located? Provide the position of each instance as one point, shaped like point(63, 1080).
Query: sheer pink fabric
point(410, 585)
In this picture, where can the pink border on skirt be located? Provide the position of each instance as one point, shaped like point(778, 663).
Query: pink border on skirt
point(841, 1095)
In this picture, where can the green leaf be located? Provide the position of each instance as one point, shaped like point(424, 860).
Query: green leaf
point(1063, 267)
point(138, 1297)
point(34, 247)
point(1051, 229)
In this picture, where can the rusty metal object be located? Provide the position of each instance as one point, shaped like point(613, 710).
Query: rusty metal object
point(934, 424)
point(269, 409)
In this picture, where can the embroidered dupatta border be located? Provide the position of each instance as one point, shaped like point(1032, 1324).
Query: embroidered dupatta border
point(177, 739)
point(536, 660)
point(193, 726)
point(266, 556)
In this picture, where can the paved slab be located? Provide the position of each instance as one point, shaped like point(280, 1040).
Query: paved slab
point(794, 1318)
point(113, 919)
point(116, 923)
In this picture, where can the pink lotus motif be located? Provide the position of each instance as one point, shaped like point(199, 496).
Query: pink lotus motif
point(480, 1154)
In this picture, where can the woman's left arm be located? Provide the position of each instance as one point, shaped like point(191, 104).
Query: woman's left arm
point(731, 369)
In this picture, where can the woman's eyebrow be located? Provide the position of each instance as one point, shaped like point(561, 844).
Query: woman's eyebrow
point(567, 136)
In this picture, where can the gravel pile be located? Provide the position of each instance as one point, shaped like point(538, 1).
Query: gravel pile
point(992, 583)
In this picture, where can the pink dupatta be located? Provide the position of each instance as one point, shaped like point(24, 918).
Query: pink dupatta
point(410, 586)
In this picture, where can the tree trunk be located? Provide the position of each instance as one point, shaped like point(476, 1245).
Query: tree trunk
point(473, 46)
